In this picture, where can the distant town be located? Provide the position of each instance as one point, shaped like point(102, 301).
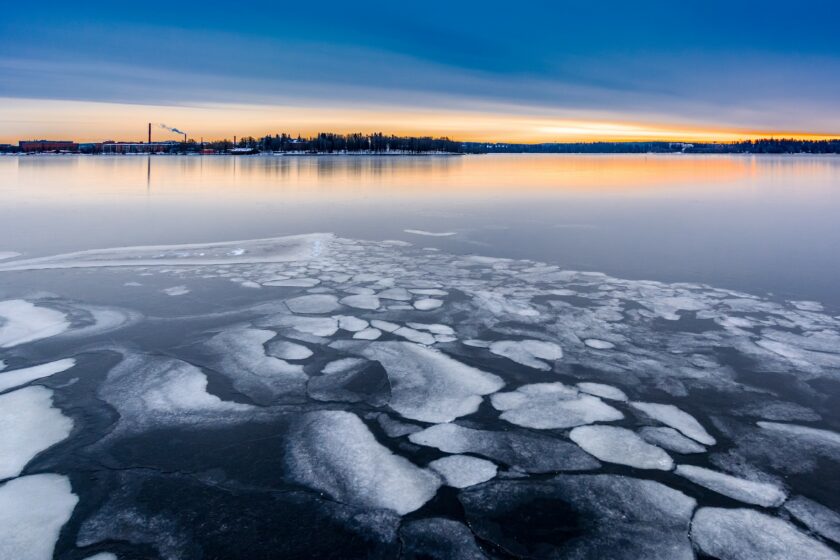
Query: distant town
point(381, 144)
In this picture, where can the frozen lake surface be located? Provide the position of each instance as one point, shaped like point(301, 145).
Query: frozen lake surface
point(431, 357)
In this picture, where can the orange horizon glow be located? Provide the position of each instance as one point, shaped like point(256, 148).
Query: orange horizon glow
point(25, 119)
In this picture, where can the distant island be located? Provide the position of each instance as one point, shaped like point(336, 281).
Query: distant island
point(381, 144)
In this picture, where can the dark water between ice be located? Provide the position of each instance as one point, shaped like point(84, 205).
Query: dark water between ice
point(327, 396)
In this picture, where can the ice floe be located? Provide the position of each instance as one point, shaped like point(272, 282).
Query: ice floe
point(818, 518)
point(286, 350)
point(746, 534)
point(462, 471)
point(428, 385)
point(313, 304)
point(351, 380)
point(525, 451)
point(334, 452)
point(176, 291)
point(368, 334)
point(552, 405)
point(430, 233)
point(670, 439)
point(619, 445)
point(361, 301)
point(598, 344)
point(437, 538)
point(351, 324)
point(18, 377)
point(33, 509)
point(22, 321)
point(528, 352)
point(602, 390)
point(29, 424)
point(427, 304)
point(747, 491)
point(582, 516)
point(672, 416)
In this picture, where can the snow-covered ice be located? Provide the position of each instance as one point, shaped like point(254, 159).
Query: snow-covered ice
point(18, 377)
point(461, 471)
point(437, 538)
point(33, 509)
point(670, 439)
point(551, 406)
point(313, 304)
point(528, 352)
point(598, 344)
point(286, 350)
point(672, 416)
point(29, 424)
point(427, 304)
point(334, 452)
point(746, 534)
point(361, 301)
point(602, 390)
point(22, 321)
point(368, 334)
point(818, 518)
point(176, 291)
point(619, 445)
point(747, 491)
point(430, 233)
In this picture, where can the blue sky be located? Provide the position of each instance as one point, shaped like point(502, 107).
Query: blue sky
point(746, 66)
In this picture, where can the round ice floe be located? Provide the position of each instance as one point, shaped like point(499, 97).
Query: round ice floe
point(368, 334)
point(619, 445)
point(415, 336)
point(603, 391)
point(427, 304)
point(29, 424)
point(22, 322)
point(33, 509)
point(528, 352)
point(384, 326)
point(461, 471)
point(351, 324)
point(18, 377)
point(672, 416)
point(552, 405)
point(334, 452)
point(316, 303)
point(361, 301)
point(598, 344)
point(397, 294)
point(317, 326)
point(428, 385)
point(747, 491)
point(286, 350)
point(746, 534)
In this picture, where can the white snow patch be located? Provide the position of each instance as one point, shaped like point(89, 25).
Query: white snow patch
point(619, 445)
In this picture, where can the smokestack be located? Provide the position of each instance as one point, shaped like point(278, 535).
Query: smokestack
point(185, 138)
point(150, 133)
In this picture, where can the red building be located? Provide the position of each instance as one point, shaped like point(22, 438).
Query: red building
point(28, 146)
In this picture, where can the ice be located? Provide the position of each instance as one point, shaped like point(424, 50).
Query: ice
point(29, 424)
point(672, 416)
point(603, 391)
point(317, 303)
point(528, 352)
point(529, 452)
point(552, 405)
point(176, 291)
point(429, 292)
point(437, 538)
point(461, 471)
point(816, 517)
point(361, 301)
point(351, 380)
point(598, 344)
point(582, 517)
point(241, 356)
point(821, 437)
point(427, 304)
point(671, 439)
point(103, 556)
point(33, 509)
point(746, 534)
point(351, 324)
point(385, 326)
point(334, 452)
point(272, 250)
point(317, 326)
point(428, 385)
point(395, 428)
point(18, 377)
point(619, 445)
point(153, 391)
point(292, 283)
point(368, 334)
point(430, 233)
point(286, 350)
point(432, 328)
point(747, 491)
point(397, 294)
point(415, 336)
point(22, 321)
point(8, 255)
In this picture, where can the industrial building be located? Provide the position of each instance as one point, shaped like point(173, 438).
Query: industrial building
point(29, 146)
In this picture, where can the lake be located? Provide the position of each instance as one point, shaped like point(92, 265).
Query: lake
point(498, 356)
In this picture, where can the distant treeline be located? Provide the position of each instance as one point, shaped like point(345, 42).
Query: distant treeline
point(328, 142)
point(765, 146)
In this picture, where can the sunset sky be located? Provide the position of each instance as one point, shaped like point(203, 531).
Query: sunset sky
point(527, 72)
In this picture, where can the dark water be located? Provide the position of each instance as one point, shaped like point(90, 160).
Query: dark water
point(246, 400)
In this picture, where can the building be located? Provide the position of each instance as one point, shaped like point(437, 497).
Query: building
point(31, 146)
point(137, 147)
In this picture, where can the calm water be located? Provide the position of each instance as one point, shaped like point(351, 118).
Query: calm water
point(761, 224)
point(480, 357)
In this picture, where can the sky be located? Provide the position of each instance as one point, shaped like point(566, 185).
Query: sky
point(529, 71)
